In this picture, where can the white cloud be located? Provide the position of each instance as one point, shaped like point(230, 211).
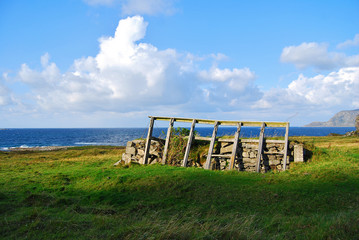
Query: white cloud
point(337, 90)
point(5, 92)
point(349, 43)
point(4, 96)
point(229, 89)
point(128, 75)
point(141, 7)
point(236, 79)
point(316, 55)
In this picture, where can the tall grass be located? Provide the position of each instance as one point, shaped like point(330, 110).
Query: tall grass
point(79, 194)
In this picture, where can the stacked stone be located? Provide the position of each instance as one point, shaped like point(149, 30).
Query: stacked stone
point(246, 159)
point(135, 151)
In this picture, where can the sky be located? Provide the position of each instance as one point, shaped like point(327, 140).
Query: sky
point(113, 63)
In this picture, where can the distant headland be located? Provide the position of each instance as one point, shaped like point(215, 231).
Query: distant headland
point(340, 119)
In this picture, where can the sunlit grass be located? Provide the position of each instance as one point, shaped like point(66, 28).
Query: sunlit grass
point(79, 194)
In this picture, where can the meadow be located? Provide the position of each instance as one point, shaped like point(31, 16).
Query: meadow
point(78, 194)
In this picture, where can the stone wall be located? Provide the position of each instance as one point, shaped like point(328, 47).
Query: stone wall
point(272, 158)
point(135, 150)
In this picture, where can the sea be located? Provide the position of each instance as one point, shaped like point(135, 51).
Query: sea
point(38, 137)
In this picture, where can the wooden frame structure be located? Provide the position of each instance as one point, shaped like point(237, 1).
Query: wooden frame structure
point(213, 139)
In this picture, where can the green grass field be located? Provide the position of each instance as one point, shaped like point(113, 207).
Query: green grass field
point(79, 194)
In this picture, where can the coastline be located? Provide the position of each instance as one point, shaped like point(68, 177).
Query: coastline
point(33, 149)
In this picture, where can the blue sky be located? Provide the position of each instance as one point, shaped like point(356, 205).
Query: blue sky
point(111, 63)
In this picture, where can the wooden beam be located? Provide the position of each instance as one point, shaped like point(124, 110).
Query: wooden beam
point(148, 141)
point(189, 142)
point(200, 138)
point(207, 165)
point(223, 122)
point(230, 140)
point(235, 146)
point(286, 147)
point(165, 151)
point(260, 148)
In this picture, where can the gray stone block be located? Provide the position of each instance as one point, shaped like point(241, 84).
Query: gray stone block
point(298, 153)
point(131, 150)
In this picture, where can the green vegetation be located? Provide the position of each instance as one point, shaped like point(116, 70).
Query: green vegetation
point(79, 194)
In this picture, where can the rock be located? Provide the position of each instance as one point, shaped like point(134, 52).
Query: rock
point(138, 141)
point(125, 156)
point(131, 150)
point(341, 119)
point(271, 157)
point(274, 162)
point(117, 163)
point(227, 148)
point(298, 153)
point(155, 153)
point(140, 152)
point(249, 160)
point(357, 124)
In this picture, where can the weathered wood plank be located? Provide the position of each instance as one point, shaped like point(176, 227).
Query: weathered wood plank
point(189, 142)
point(165, 150)
point(229, 140)
point(235, 146)
point(286, 147)
point(260, 148)
point(223, 122)
point(200, 138)
point(148, 141)
point(211, 146)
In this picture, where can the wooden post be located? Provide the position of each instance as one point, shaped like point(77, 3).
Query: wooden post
point(260, 148)
point(207, 165)
point(235, 146)
point(189, 142)
point(285, 147)
point(148, 141)
point(165, 151)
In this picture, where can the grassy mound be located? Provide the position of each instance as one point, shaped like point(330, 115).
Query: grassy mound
point(79, 194)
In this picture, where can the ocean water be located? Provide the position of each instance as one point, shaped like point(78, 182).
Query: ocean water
point(36, 137)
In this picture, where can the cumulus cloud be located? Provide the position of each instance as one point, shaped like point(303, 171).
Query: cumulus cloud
point(338, 89)
point(129, 75)
point(141, 7)
point(316, 55)
point(349, 43)
point(228, 89)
